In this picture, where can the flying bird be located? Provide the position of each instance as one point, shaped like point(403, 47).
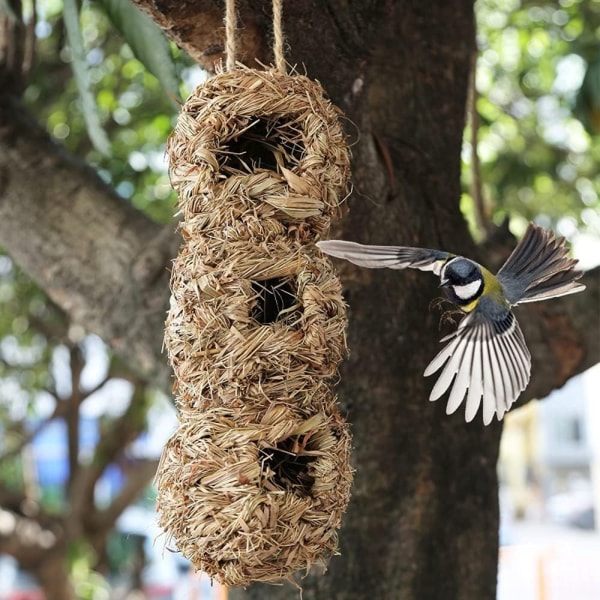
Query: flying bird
point(486, 359)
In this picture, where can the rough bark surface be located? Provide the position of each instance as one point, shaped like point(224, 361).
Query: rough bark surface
point(423, 520)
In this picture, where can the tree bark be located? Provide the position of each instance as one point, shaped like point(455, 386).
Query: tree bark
point(53, 576)
point(423, 520)
point(102, 261)
point(38, 543)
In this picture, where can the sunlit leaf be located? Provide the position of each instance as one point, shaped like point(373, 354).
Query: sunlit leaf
point(80, 69)
point(147, 42)
point(535, 160)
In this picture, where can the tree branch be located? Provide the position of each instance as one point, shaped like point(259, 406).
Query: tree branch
point(102, 261)
point(562, 336)
point(73, 402)
point(198, 28)
point(124, 430)
point(139, 477)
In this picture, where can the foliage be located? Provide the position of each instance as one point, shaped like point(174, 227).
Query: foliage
point(87, 583)
point(134, 109)
point(537, 160)
point(80, 70)
point(25, 353)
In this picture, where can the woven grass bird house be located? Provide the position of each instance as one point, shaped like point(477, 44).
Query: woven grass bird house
point(253, 484)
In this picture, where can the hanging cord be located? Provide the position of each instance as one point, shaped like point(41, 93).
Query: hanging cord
point(230, 26)
point(230, 34)
point(278, 34)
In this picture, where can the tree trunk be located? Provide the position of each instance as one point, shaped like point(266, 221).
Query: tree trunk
point(423, 519)
point(53, 576)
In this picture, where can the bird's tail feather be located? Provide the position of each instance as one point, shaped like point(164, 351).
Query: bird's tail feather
point(539, 268)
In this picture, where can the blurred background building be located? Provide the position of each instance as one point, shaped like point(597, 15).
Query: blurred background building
point(550, 496)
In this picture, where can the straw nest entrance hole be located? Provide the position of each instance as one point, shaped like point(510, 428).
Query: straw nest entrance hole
point(265, 144)
point(240, 514)
point(260, 141)
point(276, 300)
point(253, 484)
point(290, 463)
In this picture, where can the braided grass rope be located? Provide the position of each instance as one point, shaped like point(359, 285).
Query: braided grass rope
point(254, 482)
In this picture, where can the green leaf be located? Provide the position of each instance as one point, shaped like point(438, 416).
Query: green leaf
point(82, 78)
point(147, 42)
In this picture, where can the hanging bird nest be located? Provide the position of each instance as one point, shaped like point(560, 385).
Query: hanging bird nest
point(262, 143)
point(254, 496)
point(253, 328)
point(253, 484)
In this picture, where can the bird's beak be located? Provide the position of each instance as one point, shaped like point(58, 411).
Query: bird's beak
point(444, 283)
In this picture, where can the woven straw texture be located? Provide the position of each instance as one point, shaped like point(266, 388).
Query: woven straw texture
point(253, 484)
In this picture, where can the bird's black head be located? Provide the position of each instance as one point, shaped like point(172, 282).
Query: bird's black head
point(463, 280)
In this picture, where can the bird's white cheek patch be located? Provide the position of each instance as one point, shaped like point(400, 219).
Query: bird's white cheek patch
point(467, 291)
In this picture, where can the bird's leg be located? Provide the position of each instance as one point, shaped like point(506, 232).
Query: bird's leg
point(449, 316)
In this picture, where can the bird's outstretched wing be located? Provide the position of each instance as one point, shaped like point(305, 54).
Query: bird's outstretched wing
point(392, 257)
point(539, 268)
point(485, 359)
